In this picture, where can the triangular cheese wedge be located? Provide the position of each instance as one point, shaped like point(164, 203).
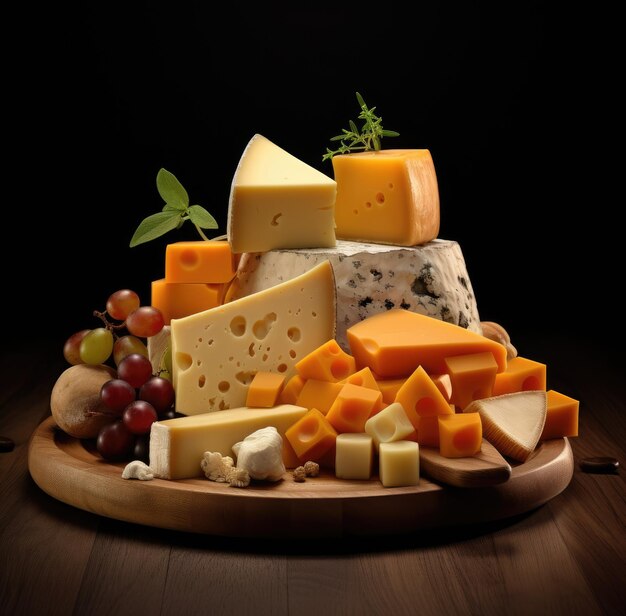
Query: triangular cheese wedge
point(513, 422)
point(278, 201)
point(394, 343)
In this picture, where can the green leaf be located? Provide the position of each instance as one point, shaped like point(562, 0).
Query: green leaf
point(390, 133)
point(353, 128)
point(199, 216)
point(154, 226)
point(361, 101)
point(171, 190)
point(168, 207)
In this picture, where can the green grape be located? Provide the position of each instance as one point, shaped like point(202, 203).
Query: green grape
point(96, 346)
point(127, 345)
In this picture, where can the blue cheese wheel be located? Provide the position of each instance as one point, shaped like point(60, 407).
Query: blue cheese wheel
point(430, 279)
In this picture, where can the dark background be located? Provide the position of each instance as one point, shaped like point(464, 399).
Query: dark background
point(514, 105)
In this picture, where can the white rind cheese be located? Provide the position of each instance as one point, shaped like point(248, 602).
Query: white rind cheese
point(216, 353)
point(431, 279)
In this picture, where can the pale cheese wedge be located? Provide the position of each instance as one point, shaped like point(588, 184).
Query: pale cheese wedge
point(512, 423)
point(278, 201)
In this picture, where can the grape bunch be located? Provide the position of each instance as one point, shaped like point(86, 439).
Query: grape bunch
point(136, 399)
point(95, 346)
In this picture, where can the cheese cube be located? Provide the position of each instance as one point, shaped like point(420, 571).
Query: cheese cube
point(216, 353)
point(177, 300)
point(395, 342)
point(199, 262)
point(427, 430)
point(291, 390)
point(318, 394)
point(420, 397)
point(399, 464)
point(521, 374)
point(391, 424)
point(389, 388)
point(177, 445)
point(354, 456)
point(265, 389)
point(353, 406)
point(312, 436)
point(387, 196)
point(329, 362)
point(460, 435)
point(444, 384)
point(561, 416)
point(278, 201)
point(472, 377)
point(362, 378)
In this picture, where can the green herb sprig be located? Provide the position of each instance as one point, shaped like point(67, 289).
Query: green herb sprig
point(174, 213)
point(368, 138)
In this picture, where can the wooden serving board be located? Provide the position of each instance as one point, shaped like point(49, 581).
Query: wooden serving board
point(320, 507)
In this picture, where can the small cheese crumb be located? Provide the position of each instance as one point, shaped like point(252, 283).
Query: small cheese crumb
point(216, 467)
point(239, 478)
point(137, 470)
point(299, 474)
point(312, 469)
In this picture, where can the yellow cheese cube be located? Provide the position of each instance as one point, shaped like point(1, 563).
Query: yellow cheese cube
point(387, 197)
point(399, 464)
point(312, 436)
point(391, 424)
point(460, 435)
point(353, 456)
point(353, 406)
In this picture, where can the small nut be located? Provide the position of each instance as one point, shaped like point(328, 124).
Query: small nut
point(497, 333)
point(312, 469)
point(299, 474)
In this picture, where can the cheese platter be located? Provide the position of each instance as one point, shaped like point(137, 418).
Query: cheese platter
point(72, 472)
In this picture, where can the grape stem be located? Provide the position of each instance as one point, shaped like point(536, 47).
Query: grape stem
point(110, 326)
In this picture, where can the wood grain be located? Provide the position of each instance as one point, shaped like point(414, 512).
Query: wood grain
point(487, 468)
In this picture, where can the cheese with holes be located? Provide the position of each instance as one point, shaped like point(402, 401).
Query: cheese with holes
point(278, 201)
point(371, 278)
point(177, 445)
point(180, 299)
point(512, 423)
point(387, 196)
point(199, 262)
point(216, 353)
point(394, 343)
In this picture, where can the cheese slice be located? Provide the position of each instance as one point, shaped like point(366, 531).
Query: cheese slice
point(216, 353)
point(394, 343)
point(512, 423)
point(278, 201)
point(177, 445)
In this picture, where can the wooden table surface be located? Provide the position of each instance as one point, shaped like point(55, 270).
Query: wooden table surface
point(567, 557)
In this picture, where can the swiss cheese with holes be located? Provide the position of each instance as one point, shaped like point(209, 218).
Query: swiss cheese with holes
point(216, 353)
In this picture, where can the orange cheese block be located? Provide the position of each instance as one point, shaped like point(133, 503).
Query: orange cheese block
point(444, 384)
point(387, 197)
point(521, 374)
point(178, 300)
point(312, 436)
point(561, 416)
point(389, 388)
point(328, 362)
point(460, 435)
point(264, 389)
point(420, 397)
point(318, 394)
point(395, 342)
point(427, 431)
point(291, 390)
point(199, 262)
point(353, 407)
point(472, 377)
point(290, 459)
point(363, 378)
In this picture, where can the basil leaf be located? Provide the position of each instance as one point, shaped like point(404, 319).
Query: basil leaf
point(171, 190)
point(154, 226)
point(199, 216)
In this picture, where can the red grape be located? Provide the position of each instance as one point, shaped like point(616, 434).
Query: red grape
point(115, 442)
point(139, 416)
point(126, 345)
point(135, 369)
point(169, 414)
point(121, 303)
point(158, 392)
point(117, 394)
point(144, 322)
point(71, 348)
point(142, 448)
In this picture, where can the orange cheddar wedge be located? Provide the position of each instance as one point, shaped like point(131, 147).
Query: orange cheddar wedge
point(319, 395)
point(460, 435)
point(472, 377)
point(521, 374)
point(328, 362)
point(264, 390)
point(444, 384)
point(561, 418)
point(311, 436)
point(199, 262)
point(394, 343)
point(178, 300)
point(353, 407)
point(387, 197)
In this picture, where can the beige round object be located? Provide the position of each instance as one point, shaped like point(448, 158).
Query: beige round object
point(75, 394)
